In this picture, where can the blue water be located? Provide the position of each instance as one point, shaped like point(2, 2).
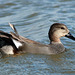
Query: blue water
point(32, 19)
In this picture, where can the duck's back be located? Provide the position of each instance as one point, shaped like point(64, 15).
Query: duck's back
point(36, 47)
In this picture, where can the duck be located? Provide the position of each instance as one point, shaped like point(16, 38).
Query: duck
point(12, 43)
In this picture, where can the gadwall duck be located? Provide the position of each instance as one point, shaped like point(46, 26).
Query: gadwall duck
point(13, 43)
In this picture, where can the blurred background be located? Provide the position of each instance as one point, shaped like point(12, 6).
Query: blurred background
point(33, 18)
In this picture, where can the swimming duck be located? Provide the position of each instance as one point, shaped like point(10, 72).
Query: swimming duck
point(13, 43)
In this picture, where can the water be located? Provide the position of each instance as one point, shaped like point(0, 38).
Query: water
point(32, 19)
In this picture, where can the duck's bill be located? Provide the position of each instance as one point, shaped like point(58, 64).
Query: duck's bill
point(70, 36)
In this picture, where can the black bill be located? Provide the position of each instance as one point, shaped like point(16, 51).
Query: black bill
point(70, 36)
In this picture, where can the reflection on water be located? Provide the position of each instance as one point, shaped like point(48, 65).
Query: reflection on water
point(32, 19)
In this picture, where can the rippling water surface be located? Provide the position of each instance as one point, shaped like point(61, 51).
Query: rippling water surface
point(32, 19)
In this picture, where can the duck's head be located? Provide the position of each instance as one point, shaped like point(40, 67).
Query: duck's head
point(58, 30)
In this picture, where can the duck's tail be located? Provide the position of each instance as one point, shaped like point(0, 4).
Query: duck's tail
point(16, 37)
point(13, 27)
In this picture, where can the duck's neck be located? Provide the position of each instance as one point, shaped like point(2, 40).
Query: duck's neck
point(55, 40)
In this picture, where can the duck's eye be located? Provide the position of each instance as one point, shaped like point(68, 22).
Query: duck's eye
point(62, 28)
